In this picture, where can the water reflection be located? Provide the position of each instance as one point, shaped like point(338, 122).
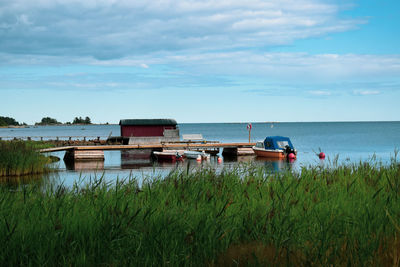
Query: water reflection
point(131, 159)
point(239, 159)
point(17, 181)
point(140, 167)
point(84, 165)
point(275, 165)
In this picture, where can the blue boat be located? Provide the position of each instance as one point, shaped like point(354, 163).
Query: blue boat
point(277, 147)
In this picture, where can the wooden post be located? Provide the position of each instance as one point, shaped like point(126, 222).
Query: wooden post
point(41, 138)
point(249, 126)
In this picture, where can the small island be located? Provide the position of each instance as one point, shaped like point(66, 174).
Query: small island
point(52, 121)
point(7, 121)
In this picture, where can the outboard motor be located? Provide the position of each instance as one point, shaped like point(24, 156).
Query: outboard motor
point(290, 153)
point(178, 157)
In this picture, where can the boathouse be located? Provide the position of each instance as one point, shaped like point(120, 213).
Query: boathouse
point(140, 131)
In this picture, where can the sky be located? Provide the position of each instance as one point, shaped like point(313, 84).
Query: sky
point(200, 61)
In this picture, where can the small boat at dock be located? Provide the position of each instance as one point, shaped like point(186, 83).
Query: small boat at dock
point(275, 147)
point(195, 154)
point(170, 156)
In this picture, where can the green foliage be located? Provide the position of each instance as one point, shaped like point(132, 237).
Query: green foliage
point(343, 216)
point(48, 121)
point(6, 121)
point(21, 158)
point(80, 120)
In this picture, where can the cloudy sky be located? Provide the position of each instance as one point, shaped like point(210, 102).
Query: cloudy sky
point(200, 61)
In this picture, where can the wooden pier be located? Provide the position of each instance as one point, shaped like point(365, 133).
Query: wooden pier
point(76, 153)
point(151, 146)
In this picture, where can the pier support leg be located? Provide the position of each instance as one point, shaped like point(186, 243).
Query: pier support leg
point(238, 151)
point(230, 152)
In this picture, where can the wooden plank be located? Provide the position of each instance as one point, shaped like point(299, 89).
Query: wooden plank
point(244, 151)
point(55, 149)
point(192, 137)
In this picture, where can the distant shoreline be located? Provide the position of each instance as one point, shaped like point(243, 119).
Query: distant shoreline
point(266, 122)
point(63, 124)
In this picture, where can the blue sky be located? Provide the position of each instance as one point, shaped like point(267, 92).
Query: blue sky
point(200, 61)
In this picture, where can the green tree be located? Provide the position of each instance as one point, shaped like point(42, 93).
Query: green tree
point(77, 120)
point(47, 121)
point(80, 120)
point(87, 120)
point(5, 121)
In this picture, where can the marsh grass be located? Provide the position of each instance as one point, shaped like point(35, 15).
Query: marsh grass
point(21, 158)
point(246, 216)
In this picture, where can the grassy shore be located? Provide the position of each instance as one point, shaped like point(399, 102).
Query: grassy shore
point(21, 158)
point(341, 216)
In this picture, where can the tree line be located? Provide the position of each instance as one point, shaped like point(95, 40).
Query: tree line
point(52, 121)
point(7, 121)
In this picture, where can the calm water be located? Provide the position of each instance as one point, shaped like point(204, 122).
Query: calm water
point(352, 141)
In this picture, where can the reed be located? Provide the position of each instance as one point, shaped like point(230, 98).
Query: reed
point(21, 158)
point(339, 216)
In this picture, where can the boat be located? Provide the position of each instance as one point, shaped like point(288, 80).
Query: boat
point(195, 154)
point(171, 156)
point(275, 147)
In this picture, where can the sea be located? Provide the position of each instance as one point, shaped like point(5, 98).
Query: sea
point(342, 142)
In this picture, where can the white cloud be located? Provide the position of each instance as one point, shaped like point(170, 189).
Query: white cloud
point(320, 93)
point(24, 20)
point(366, 92)
point(281, 66)
point(112, 29)
point(273, 67)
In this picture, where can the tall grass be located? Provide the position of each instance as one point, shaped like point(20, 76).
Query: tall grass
point(21, 158)
point(342, 216)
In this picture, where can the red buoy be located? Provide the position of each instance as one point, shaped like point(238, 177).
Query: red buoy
point(321, 155)
point(291, 156)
